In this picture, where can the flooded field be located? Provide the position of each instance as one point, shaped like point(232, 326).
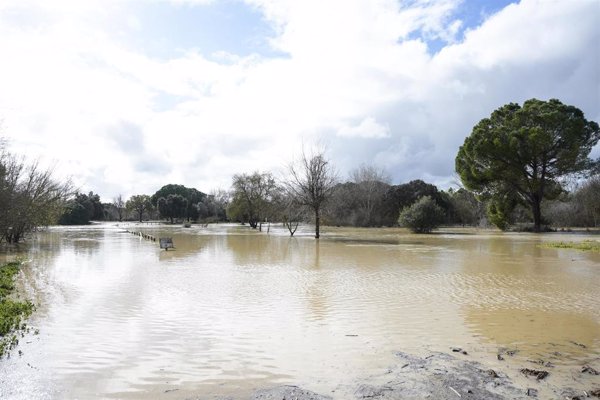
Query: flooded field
point(231, 310)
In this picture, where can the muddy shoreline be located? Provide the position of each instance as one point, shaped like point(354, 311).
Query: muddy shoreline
point(448, 376)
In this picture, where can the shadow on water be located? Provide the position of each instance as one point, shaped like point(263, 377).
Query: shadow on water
point(339, 239)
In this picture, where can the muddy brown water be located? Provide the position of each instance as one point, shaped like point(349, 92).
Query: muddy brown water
point(232, 310)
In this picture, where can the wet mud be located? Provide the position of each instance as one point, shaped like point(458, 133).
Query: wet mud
point(444, 376)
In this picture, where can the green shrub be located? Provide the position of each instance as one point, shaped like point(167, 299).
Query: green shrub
point(12, 312)
point(422, 216)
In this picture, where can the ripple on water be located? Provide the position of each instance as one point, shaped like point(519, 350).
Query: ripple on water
point(259, 310)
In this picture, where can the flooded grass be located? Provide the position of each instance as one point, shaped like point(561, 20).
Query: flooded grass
point(586, 245)
point(12, 312)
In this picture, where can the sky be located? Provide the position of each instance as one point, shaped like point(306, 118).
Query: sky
point(123, 97)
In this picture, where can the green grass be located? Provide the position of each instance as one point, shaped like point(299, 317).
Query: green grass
point(12, 312)
point(586, 245)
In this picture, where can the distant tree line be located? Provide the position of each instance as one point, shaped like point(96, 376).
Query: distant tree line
point(516, 169)
point(171, 202)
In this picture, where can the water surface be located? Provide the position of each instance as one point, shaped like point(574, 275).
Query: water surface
point(231, 309)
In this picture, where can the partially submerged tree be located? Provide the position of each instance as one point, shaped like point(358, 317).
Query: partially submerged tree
point(398, 197)
point(292, 213)
point(214, 208)
point(519, 155)
point(172, 207)
point(139, 204)
point(311, 183)
point(371, 186)
point(422, 216)
point(30, 197)
point(343, 207)
point(252, 198)
point(119, 204)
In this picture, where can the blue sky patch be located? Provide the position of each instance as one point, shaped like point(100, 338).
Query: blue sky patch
point(166, 30)
point(472, 13)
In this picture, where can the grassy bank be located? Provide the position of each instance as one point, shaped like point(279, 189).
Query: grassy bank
point(12, 311)
point(586, 245)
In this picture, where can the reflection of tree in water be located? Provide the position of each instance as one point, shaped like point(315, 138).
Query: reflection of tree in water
point(43, 244)
point(82, 240)
point(250, 248)
point(83, 246)
point(39, 253)
point(318, 289)
point(293, 265)
point(264, 250)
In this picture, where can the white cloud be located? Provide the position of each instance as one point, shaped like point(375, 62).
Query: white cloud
point(354, 70)
point(368, 128)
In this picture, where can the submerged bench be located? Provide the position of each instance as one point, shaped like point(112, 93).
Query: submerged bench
point(166, 243)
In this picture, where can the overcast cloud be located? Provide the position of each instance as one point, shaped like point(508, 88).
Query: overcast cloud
point(124, 102)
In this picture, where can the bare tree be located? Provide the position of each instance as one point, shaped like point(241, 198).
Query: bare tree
point(311, 183)
point(372, 184)
point(291, 213)
point(589, 198)
point(119, 204)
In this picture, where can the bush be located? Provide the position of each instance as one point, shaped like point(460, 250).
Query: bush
point(422, 216)
point(12, 312)
point(75, 214)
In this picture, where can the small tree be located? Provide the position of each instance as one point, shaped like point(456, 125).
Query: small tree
point(252, 197)
point(138, 204)
point(119, 204)
point(399, 196)
point(291, 214)
point(423, 216)
point(311, 183)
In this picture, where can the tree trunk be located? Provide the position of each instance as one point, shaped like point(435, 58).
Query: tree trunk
point(317, 222)
point(537, 214)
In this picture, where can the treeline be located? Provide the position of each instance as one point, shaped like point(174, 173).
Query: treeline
point(30, 198)
point(368, 200)
point(172, 202)
point(514, 167)
point(365, 199)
